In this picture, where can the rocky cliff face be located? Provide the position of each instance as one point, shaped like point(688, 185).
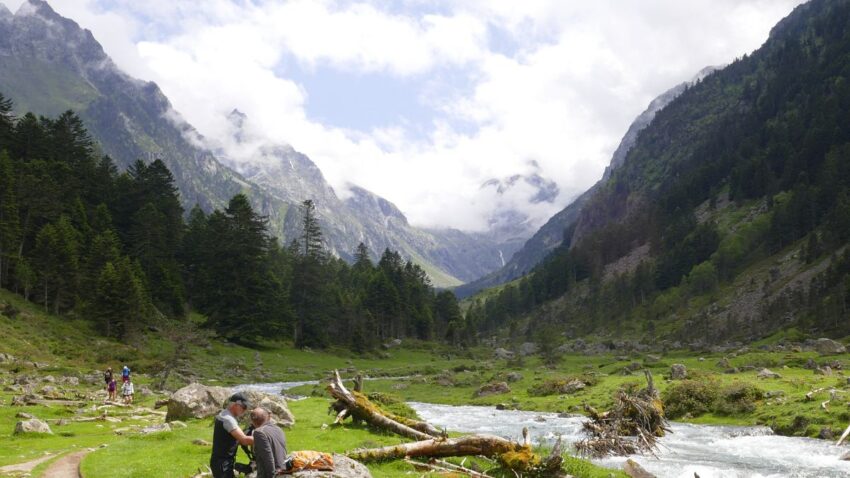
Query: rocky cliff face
point(552, 234)
point(48, 64)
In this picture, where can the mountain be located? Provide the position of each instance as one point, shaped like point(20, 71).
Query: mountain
point(449, 256)
point(48, 64)
point(551, 234)
point(728, 218)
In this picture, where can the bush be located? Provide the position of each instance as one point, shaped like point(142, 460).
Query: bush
point(689, 397)
point(562, 385)
point(738, 398)
point(695, 397)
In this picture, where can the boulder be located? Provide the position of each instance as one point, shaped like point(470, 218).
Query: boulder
point(513, 377)
point(826, 371)
point(678, 372)
point(344, 467)
point(528, 348)
point(724, 363)
point(634, 470)
point(32, 425)
point(201, 442)
point(765, 373)
point(650, 358)
point(829, 347)
point(196, 401)
point(275, 404)
point(503, 354)
point(810, 365)
point(494, 388)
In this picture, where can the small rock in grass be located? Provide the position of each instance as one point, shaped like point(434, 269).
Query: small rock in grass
point(200, 442)
point(765, 373)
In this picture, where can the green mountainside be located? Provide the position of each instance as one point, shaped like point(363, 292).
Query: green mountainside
point(730, 215)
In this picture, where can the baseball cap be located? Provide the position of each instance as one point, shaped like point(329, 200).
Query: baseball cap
point(241, 399)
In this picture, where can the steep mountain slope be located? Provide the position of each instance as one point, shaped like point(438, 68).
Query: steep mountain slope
point(551, 235)
point(729, 217)
point(48, 64)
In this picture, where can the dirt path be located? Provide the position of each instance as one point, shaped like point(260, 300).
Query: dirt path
point(25, 467)
point(66, 467)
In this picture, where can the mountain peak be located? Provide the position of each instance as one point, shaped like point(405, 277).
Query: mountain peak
point(38, 8)
point(5, 13)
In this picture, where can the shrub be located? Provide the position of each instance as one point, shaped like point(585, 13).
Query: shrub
point(689, 397)
point(563, 385)
point(738, 398)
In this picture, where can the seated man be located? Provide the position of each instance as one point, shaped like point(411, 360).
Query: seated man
point(227, 436)
point(269, 444)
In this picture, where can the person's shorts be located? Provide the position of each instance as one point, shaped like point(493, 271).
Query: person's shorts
point(125, 379)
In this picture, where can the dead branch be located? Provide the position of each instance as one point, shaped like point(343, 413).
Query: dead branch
point(631, 427)
point(843, 436)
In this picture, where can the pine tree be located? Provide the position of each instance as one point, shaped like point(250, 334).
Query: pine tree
point(10, 228)
point(362, 261)
point(7, 122)
point(311, 233)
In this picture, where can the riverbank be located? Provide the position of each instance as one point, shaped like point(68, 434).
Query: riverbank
point(54, 352)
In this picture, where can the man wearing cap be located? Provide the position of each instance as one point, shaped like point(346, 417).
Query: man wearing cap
point(227, 436)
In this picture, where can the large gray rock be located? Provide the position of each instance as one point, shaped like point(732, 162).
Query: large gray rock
point(528, 348)
point(344, 467)
point(196, 401)
point(32, 425)
point(503, 354)
point(678, 372)
point(829, 346)
point(275, 404)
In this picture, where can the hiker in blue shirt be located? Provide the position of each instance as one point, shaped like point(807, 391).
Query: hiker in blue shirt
point(125, 374)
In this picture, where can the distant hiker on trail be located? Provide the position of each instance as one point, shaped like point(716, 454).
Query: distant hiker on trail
point(110, 387)
point(227, 436)
point(107, 377)
point(125, 374)
point(127, 392)
point(269, 444)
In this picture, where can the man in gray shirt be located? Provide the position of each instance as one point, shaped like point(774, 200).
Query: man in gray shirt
point(269, 444)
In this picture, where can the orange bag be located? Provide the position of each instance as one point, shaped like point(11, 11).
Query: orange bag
point(311, 460)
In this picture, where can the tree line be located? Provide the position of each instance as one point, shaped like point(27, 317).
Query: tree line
point(82, 239)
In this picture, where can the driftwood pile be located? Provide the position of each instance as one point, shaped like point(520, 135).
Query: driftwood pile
point(632, 426)
point(431, 444)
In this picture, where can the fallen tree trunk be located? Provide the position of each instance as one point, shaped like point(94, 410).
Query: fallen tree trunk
point(470, 445)
point(510, 455)
point(358, 406)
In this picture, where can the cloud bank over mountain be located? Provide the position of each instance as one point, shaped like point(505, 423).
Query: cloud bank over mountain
point(423, 102)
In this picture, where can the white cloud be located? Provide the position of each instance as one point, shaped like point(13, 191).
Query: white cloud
point(562, 94)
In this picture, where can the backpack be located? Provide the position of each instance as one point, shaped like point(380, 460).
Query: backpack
point(308, 460)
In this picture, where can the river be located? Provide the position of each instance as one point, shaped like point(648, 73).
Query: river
point(710, 451)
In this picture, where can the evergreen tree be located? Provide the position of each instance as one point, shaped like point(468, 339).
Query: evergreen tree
point(10, 229)
point(311, 232)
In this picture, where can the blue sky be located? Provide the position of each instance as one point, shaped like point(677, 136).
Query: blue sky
point(422, 101)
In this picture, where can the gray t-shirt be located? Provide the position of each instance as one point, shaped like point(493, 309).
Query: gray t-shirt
point(228, 421)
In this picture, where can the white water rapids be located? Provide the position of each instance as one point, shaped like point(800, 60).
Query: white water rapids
point(710, 451)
